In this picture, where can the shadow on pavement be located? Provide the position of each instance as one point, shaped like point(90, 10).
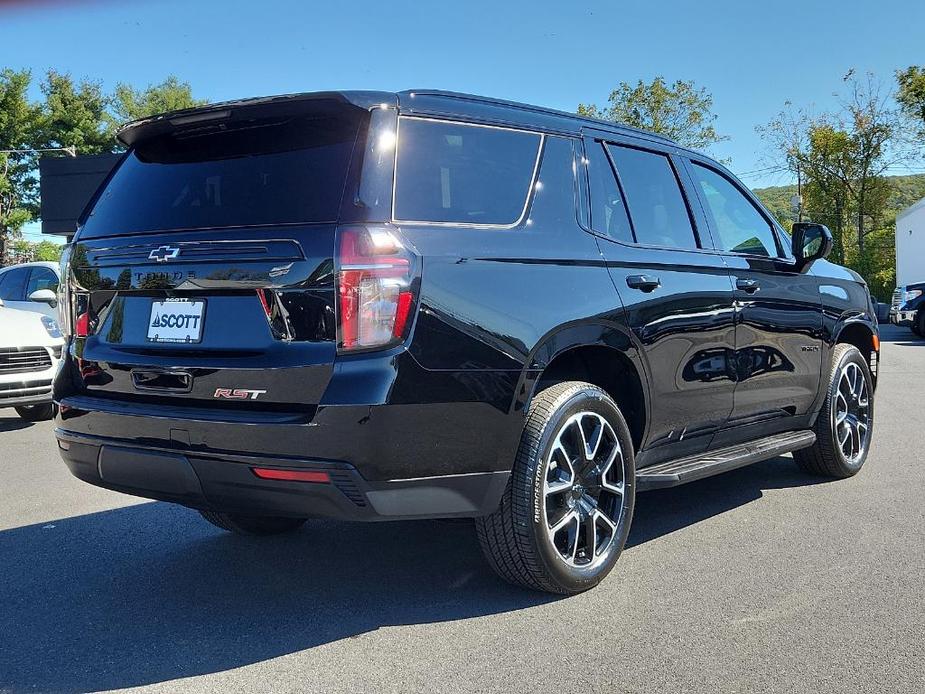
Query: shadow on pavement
point(664, 511)
point(151, 593)
point(14, 423)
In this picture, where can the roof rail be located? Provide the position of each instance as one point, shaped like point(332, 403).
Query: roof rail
point(538, 109)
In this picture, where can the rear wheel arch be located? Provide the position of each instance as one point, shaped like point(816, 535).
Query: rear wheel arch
point(613, 370)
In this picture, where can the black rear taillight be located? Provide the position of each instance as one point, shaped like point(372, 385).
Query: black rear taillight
point(375, 288)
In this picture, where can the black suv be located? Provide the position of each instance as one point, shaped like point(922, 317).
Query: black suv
point(379, 306)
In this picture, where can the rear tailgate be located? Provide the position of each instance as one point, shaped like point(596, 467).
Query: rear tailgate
point(255, 315)
point(203, 274)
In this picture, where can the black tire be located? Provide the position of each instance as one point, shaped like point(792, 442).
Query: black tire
point(827, 457)
point(919, 326)
point(515, 538)
point(252, 525)
point(36, 413)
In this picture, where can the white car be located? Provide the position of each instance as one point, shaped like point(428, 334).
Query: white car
point(30, 349)
point(31, 287)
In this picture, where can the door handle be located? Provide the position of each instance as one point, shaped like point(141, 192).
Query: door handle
point(644, 283)
point(748, 286)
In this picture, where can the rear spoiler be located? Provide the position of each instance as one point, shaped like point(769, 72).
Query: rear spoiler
point(136, 131)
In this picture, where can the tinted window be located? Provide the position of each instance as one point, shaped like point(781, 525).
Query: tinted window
point(12, 284)
point(608, 213)
point(449, 172)
point(41, 278)
point(252, 172)
point(656, 205)
point(554, 197)
point(738, 226)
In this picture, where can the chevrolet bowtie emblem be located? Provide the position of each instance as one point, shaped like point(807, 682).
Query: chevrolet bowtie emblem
point(164, 253)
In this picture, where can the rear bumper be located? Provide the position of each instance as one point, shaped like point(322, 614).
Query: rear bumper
point(227, 483)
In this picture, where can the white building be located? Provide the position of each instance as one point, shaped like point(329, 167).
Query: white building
point(910, 244)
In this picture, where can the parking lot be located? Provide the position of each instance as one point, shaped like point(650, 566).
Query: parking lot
point(763, 579)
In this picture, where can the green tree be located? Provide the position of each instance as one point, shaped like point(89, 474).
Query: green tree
point(75, 115)
point(681, 111)
point(911, 96)
point(843, 156)
point(130, 104)
point(47, 250)
point(19, 119)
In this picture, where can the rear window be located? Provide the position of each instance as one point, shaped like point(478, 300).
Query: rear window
point(460, 173)
point(256, 172)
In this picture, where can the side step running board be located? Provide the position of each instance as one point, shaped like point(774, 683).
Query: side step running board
point(695, 467)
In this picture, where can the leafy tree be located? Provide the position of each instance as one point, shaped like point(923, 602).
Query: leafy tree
point(75, 115)
point(130, 104)
point(681, 111)
point(19, 119)
point(24, 251)
point(843, 157)
point(47, 250)
point(911, 96)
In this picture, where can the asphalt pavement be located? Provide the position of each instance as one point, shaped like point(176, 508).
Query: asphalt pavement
point(761, 580)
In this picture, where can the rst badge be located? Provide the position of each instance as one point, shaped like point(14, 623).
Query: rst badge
point(237, 394)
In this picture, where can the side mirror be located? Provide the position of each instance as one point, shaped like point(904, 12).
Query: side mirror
point(44, 296)
point(811, 242)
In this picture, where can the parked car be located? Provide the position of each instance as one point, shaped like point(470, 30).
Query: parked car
point(30, 350)
point(905, 309)
point(31, 287)
point(381, 306)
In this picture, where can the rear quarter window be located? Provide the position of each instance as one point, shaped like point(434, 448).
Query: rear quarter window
point(462, 173)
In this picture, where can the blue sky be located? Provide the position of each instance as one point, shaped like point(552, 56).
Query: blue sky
point(752, 56)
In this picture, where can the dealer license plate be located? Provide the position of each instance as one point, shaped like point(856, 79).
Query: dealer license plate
point(176, 320)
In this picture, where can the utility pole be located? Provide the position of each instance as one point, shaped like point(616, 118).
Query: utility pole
point(796, 201)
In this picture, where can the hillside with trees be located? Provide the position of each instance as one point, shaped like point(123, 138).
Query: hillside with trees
point(904, 191)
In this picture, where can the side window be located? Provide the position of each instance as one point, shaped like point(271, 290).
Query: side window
point(462, 173)
point(554, 194)
point(608, 213)
point(653, 195)
point(41, 278)
point(12, 284)
point(739, 227)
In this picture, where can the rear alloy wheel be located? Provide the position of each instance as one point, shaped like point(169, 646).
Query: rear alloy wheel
point(566, 513)
point(36, 413)
point(845, 424)
point(252, 525)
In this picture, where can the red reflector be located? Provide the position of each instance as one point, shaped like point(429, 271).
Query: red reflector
point(82, 325)
point(292, 475)
point(262, 294)
point(401, 314)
